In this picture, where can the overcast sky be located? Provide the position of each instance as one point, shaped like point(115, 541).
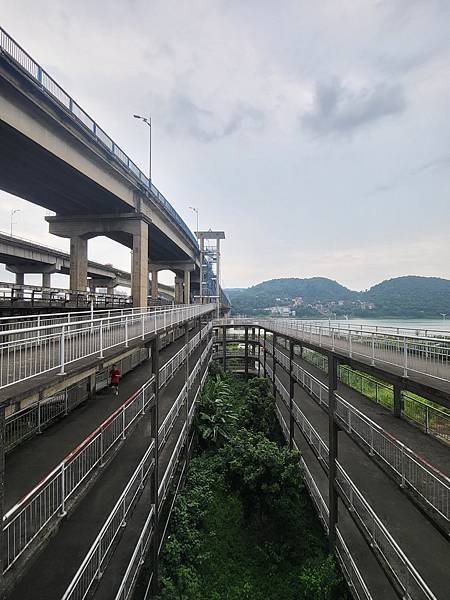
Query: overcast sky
point(316, 134)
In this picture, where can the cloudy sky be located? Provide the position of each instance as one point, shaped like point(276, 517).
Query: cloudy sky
point(316, 134)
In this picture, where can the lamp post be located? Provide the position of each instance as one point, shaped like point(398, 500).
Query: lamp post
point(148, 121)
point(196, 212)
point(13, 212)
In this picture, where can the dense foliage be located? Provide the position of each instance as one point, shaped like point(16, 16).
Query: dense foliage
point(411, 296)
point(244, 528)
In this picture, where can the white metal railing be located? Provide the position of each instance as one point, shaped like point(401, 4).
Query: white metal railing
point(23, 522)
point(30, 420)
point(351, 572)
point(434, 421)
point(375, 531)
point(94, 561)
point(412, 354)
point(55, 346)
point(431, 485)
point(91, 567)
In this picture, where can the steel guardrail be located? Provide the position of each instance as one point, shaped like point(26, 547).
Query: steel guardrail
point(427, 481)
point(394, 558)
point(91, 567)
point(45, 82)
point(57, 345)
point(30, 516)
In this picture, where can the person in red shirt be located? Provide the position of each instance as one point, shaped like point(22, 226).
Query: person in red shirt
point(115, 378)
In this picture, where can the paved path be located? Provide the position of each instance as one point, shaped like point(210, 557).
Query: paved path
point(423, 544)
point(55, 566)
point(30, 462)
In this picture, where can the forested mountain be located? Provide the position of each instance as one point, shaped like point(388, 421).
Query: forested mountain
point(409, 296)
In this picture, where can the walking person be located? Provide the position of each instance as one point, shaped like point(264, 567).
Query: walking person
point(115, 375)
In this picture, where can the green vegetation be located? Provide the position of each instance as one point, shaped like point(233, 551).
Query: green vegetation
point(411, 296)
point(376, 389)
point(244, 528)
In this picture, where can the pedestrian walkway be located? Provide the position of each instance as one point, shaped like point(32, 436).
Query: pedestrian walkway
point(423, 544)
point(54, 568)
point(30, 462)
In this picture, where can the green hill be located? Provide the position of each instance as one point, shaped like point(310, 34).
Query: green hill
point(409, 296)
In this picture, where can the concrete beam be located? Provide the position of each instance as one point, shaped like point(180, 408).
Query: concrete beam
point(32, 268)
point(172, 266)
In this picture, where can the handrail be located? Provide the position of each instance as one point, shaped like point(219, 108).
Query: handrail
point(404, 572)
point(60, 478)
point(430, 483)
point(352, 574)
point(44, 81)
point(412, 354)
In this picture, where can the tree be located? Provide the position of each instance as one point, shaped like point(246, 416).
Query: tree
point(217, 416)
point(266, 477)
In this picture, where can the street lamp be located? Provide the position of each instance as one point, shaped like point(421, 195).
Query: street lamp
point(13, 212)
point(196, 212)
point(148, 121)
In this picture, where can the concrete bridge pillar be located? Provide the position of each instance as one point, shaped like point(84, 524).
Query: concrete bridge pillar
point(133, 227)
point(187, 287)
point(154, 285)
point(46, 280)
point(178, 289)
point(20, 278)
point(139, 267)
point(78, 263)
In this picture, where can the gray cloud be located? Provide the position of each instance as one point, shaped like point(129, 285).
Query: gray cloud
point(339, 110)
point(205, 125)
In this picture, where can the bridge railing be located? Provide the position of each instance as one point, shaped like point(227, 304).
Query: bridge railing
point(127, 585)
point(351, 571)
point(428, 356)
point(58, 94)
point(91, 566)
point(393, 557)
point(431, 485)
point(58, 345)
point(23, 522)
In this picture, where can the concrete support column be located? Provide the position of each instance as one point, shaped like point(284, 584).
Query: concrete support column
point(259, 351)
point(155, 286)
point(20, 278)
point(178, 290)
point(274, 365)
point(110, 290)
point(46, 280)
point(92, 287)
point(154, 425)
point(398, 401)
point(246, 351)
point(333, 449)
point(291, 395)
point(224, 348)
point(139, 267)
point(187, 287)
point(78, 263)
point(265, 352)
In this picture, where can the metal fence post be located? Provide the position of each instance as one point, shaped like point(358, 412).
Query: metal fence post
point(126, 332)
point(2, 499)
point(224, 347)
point(63, 512)
point(405, 357)
point(62, 349)
point(101, 339)
point(154, 425)
point(291, 394)
point(333, 450)
point(246, 350)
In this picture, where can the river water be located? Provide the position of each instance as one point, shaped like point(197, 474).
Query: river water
point(440, 324)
